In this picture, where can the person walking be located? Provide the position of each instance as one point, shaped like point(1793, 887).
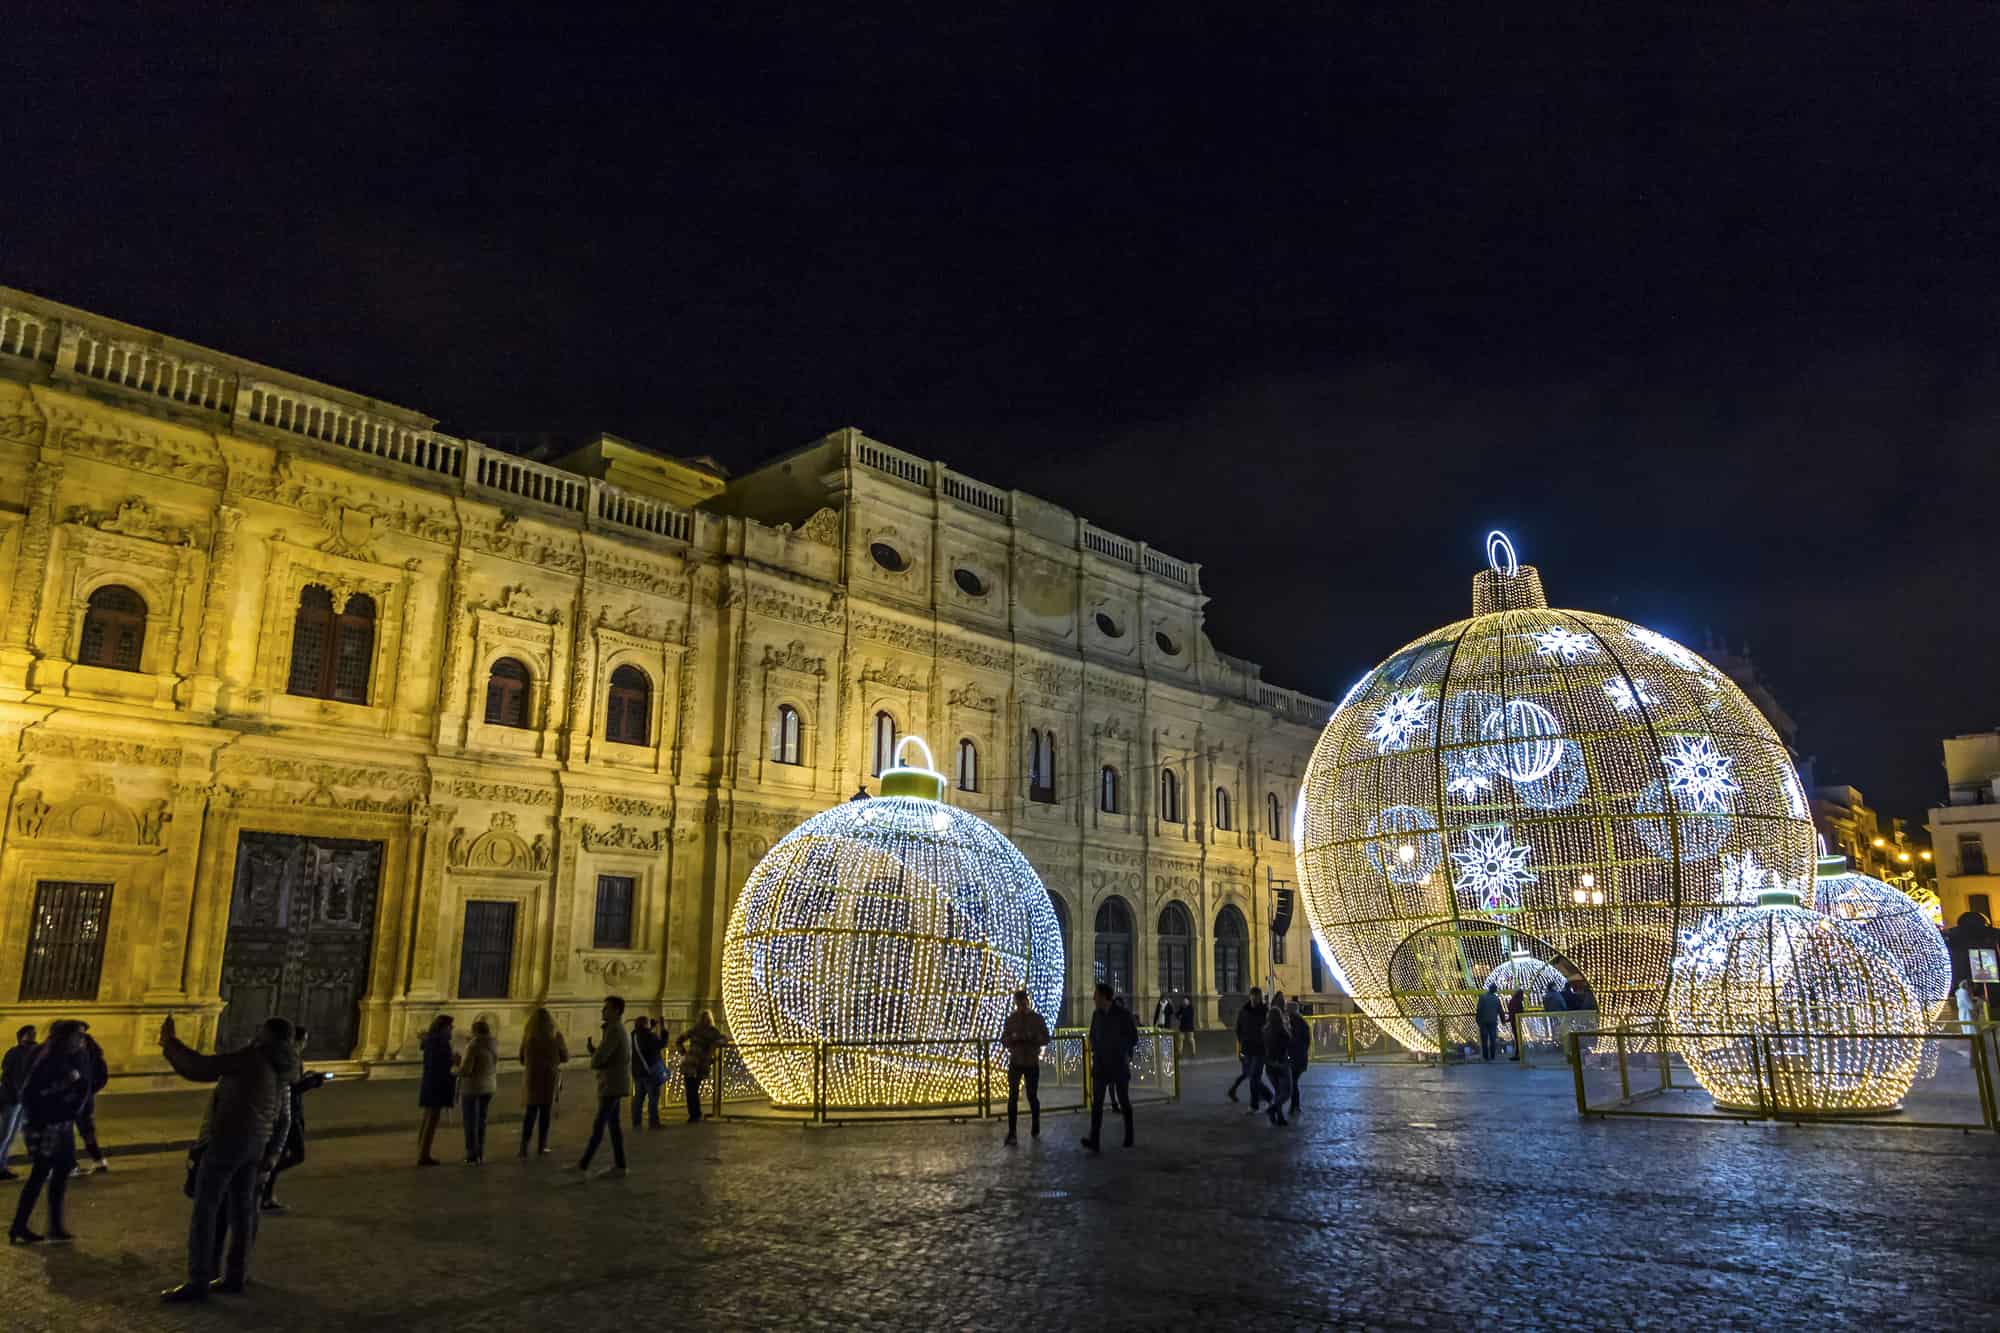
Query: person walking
point(478, 1080)
point(295, 1138)
point(1185, 1015)
point(1277, 1057)
point(55, 1090)
point(543, 1054)
point(437, 1088)
point(249, 1117)
point(13, 1080)
point(1024, 1035)
point(1487, 1015)
point(649, 1070)
point(697, 1047)
point(1112, 1037)
point(1301, 1052)
point(1515, 1004)
point(1250, 1047)
point(612, 1062)
point(86, 1119)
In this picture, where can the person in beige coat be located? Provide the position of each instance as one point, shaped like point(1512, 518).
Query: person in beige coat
point(611, 1061)
point(543, 1054)
point(478, 1080)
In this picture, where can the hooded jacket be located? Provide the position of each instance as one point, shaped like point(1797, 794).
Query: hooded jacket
point(250, 1113)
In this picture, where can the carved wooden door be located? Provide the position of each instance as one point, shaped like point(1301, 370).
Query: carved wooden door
point(301, 927)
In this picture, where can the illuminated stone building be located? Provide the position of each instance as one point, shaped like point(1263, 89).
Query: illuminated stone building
point(309, 706)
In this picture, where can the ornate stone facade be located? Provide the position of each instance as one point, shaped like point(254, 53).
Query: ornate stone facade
point(549, 757)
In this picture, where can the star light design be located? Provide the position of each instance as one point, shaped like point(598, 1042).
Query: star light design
point(1664, 648)
point(1494, 868)
point(1699, 774)
point(1743, 878)
point(1468, 782)
point(1565, 643)
point(1400, 721)
point(1626, 695)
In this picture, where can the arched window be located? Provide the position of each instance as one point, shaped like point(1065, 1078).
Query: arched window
point(1062, 928)
point(1107, 790)
point(1274, 821)
point(1113, 961)
point(1170, 796)
point(1232, 952)
point(787, 737)
point(885, 743)
point(968, 766)
point(1041, 766)
point(1176, 949)
point(114, 629)
point(507, 693)
point(332, 653)
point(1222, 808)
point(628, 712)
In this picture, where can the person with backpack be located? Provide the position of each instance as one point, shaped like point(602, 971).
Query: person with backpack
point(1113, 1035)
point(697, 1047)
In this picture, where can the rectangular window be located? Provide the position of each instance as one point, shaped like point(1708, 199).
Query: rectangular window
point(66, 941)
point(1980, 903)
point(486, 963)
point(614, 912)
point(1971, 854)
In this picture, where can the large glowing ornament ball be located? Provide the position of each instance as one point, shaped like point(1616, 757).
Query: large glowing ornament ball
point(1578, 778)
point(1779, 1008)
point(1894, 921)
point(895, 931)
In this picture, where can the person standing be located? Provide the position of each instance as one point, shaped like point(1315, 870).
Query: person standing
point(86, 1119)
point(13, 1080)
point(1515, 1004)
point(1024, 1035)
point(612, 1062)
point(1301, 1052)
point(543, 1055)
point(1250, 1047)
point(1277, 1057)
point(437, 1088)
point(1186, 1021)
point(1487, 1015)
point(57, 1086)
point(295, 1138)
point(249, 1116)
point(697, 1047)
point(478, 1080)
point(649, 1070)
point(1968, 1006)
point(1112, 1037)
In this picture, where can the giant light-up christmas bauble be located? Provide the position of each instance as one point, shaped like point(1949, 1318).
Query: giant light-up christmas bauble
point(1894, 922)
point(1779, 1008)
point(1578, 778)
point(894, 931)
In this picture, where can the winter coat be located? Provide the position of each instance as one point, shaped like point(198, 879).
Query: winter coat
point(250, 1113)
point(613, 1061)
point(479, 1070)
point(1302, 1041)
point(1024, 1035)
point(14, 1073)
point(1113, 1034)
point(542, 1059)
point(1187, 1018)
point(55, 1088)
point(1277, 1038)
point(93, 1056)
point(438, 1088)
point(1250, 1028)
point(648, 1049)
point(1488, 1012)
point(1552, 999)
point(697, 1047)
point(1515, 1004)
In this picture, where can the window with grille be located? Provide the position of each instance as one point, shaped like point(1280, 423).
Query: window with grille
point(332, 652)
point(1176, 948)
point(507, 682)
point(786, 737)
point(1221, 809)
point(614, 912)
point(1107, 790)
point(1232, 944)
point(885, 743)
point(114, 629)
point(1041, 766)
point(66, 941)
point(968, 766)
point(1170, 796)
point(628, 710)
point(1112, 959)
point(486, 961)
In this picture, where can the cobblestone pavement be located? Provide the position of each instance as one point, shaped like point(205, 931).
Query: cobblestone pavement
point(1402, 1198)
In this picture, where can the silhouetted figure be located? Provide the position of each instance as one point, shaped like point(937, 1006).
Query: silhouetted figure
point(295, 1138)
point(649, 1070)
point(1024, 1035)
point(1515, 1004)
point(612, 1062)
point(1301, 1052)
point(1112, 1037)
point(437, 1088)
point(1186, 1016)
point(1250, 1047)
point(13, 1080)
point(57, 1086)
point(1277, 1037)
point(478, 1080)
point(543, 1054)
point(1487, 1015)
point(86, 1120)
point(697, 1047)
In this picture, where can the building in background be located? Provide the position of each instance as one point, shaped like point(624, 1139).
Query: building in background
point(1883, 847)
point(1965, 832)
point(309, 708)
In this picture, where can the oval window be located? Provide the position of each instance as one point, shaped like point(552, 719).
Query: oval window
point(1167, 645)
point(968, 582)
point(888, 557)
point(1108, 627)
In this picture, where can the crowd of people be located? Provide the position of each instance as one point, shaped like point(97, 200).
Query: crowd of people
point(1273, 1045)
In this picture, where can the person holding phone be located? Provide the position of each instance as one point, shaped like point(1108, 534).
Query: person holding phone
point(295, 1141)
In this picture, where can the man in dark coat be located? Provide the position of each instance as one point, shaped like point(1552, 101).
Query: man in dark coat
point(13, 1081)
point(249, 1117)
point(1302, 1044)
point(86, 1119)
point(1487, 1015)
point(1113, 1035)
point(1250, 1047)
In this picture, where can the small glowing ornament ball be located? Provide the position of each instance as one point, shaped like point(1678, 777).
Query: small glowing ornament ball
point(1577, 778)
point(896, 930)
point(1894, 921)
point(1783, 1008)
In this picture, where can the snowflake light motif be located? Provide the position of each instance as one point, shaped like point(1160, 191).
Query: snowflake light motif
point(1699, 774)
point(1494, 868)
point(1468, 782)
point(1743, 879)
point(1664, 648)
point(1625, 695)
point(1401, 720)
point(1566, 644)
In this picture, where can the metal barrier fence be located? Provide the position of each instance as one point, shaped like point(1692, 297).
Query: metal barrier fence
point(889, 1077)
point(1353, 1038)
point(1634, 1072)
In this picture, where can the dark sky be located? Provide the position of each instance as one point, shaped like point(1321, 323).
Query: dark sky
point(1702, 310)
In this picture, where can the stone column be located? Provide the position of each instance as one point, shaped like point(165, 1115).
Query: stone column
point(31, 570)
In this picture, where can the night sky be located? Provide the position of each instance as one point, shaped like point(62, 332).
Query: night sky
point(1704, 315)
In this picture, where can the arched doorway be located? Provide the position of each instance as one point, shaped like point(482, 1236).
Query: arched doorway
point(1061, 1018)
point(1232, 963)
point(1176, 950)
point(1113, 959)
